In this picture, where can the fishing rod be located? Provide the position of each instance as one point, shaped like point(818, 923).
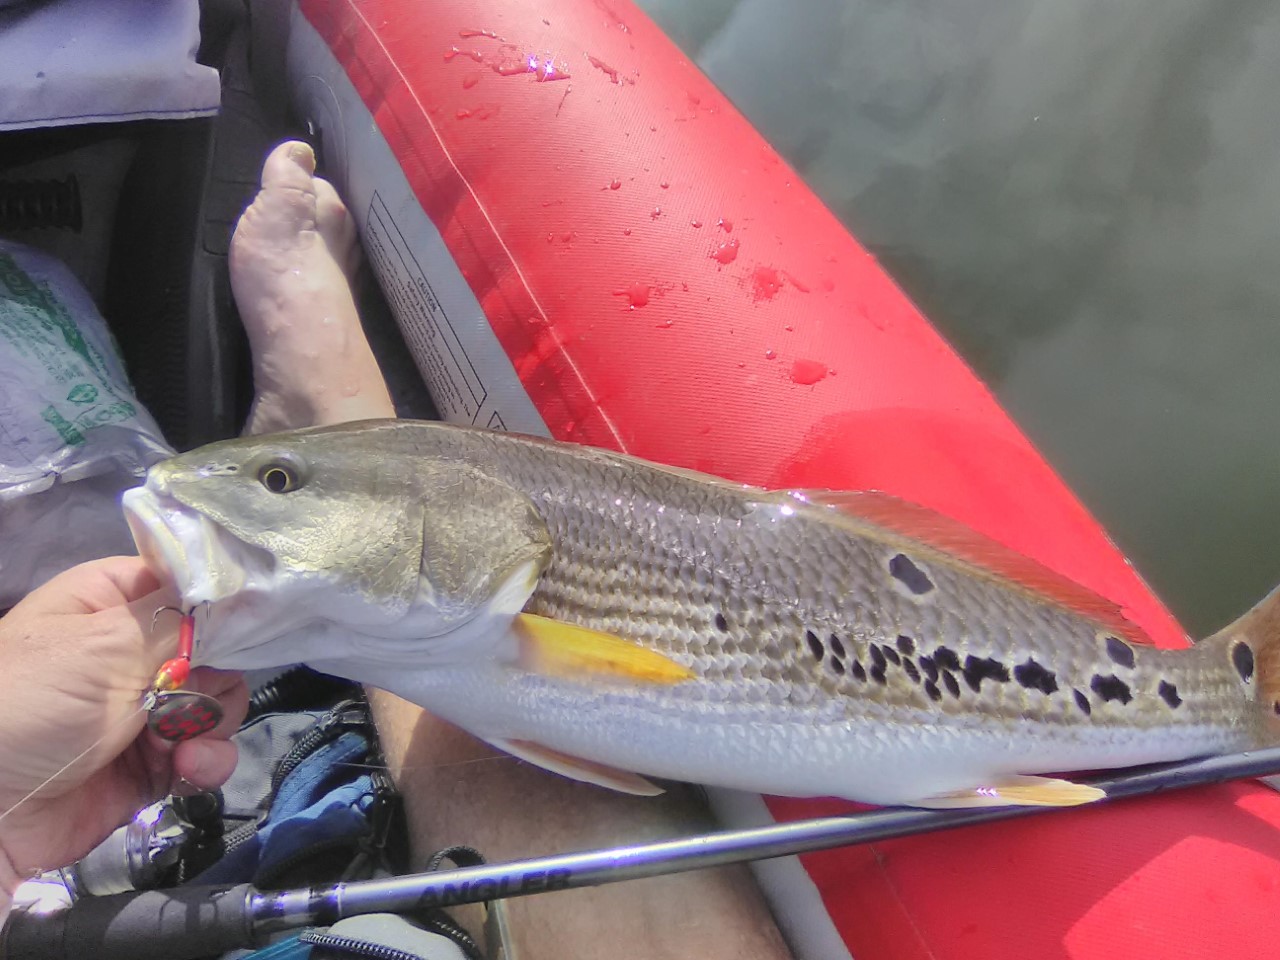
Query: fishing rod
point(185, 923)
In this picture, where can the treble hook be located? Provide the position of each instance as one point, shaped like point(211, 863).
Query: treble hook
point(156, 616)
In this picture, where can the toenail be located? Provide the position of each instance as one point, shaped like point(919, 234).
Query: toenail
point(300, 153)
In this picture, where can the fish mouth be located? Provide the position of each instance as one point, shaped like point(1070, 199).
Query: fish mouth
point(202, 560)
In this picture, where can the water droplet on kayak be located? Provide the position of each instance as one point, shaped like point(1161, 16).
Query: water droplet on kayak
point(765, 283)
point(637, 294)
point(726, 253)
point(807, 372)
point(608, 71)
point(770, 354)
point(695, 224)
point(615, 184)
point(475, 55)
point(470, 80)
point(664, 184)
point(657, 212)
point(626, 231)
point(467, 33)
point(725, 225)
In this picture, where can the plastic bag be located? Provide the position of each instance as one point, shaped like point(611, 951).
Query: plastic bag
point(72, 434)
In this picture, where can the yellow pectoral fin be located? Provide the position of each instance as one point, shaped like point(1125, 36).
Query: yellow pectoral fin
point(1017, 792)
point(559, 649)
point(576, 768)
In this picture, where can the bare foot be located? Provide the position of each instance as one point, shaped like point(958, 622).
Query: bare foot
point(292, 258)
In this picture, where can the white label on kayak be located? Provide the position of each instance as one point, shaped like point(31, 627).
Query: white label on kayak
point(467, 371)
point(797, 904)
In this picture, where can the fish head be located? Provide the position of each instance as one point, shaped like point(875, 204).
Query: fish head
point(334, 527)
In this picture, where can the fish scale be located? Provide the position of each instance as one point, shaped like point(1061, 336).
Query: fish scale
point(629, 601)
point(790, 588)
point(831, 651)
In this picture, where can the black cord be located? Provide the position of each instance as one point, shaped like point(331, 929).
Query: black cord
point(296, 689)
point(436, 919)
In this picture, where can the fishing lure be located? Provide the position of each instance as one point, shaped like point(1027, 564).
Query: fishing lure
point(175, 714)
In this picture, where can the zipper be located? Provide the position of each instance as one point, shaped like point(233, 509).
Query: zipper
point(363, 949)
point(351, 714)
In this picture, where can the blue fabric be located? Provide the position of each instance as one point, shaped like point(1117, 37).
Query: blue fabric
point(318, 802)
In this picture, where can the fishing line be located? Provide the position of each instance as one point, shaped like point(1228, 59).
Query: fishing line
point(78, 757)
point(428, 766)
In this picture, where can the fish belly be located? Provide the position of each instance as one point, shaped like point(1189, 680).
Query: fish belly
point(695, 732)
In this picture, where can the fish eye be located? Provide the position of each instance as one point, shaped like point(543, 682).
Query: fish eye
point(279, 478)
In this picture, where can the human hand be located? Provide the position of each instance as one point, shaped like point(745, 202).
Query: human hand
point(78, 655)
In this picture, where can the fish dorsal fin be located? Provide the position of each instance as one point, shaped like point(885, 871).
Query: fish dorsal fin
point(958, 542)
point(556, 648)
point(576, 768)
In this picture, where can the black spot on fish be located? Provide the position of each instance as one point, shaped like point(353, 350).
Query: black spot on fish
point(877, 674)
point(909, 575)
point(929, 667)
point(836, 646)
point(721, 622)
point(877, 659)
point(815, 645)
point(1083, 703)
point(932, 690)
point(946, 658)
point(891, 654)
point(977, 669)
point(952, 684)
point(858, 672)
point(1111, 688)
point(837, 666)
point(1169, 694)
point(1276, 707)
point(1035, 676)
point(1120, 652)
point(1242, 659)
point(906, 645)
point(911, 670)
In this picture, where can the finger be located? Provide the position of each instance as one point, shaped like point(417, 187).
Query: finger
point(130, 576)
point(205, 763)
point(95, 585)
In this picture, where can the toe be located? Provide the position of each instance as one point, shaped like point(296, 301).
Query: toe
point(285, 207)
point(292, 163)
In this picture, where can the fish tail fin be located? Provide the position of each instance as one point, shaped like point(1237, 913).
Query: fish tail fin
point(1252, 643)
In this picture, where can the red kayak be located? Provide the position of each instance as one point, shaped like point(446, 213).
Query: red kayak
point(581, 237)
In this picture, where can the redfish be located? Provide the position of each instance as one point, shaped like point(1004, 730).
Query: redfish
point(615, 620)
